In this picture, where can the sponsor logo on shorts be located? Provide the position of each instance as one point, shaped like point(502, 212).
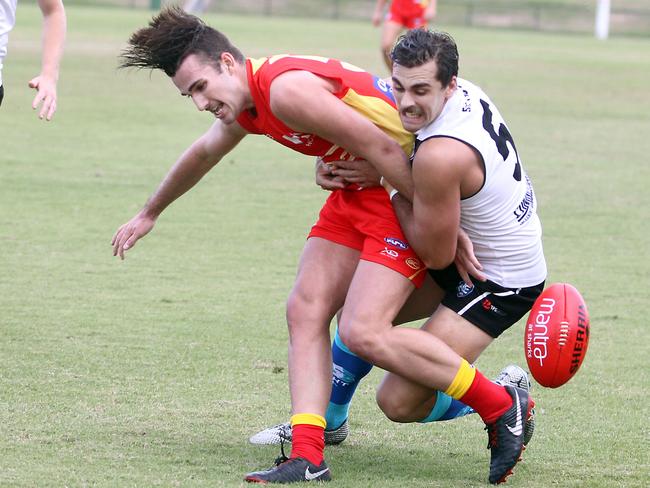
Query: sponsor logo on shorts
point(463, 289)
point(413, 263)
point(395, 242)
point(391, 253)
point(487, 305)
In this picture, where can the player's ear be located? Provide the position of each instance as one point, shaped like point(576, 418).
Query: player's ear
point(227, 61)
point(451, 87)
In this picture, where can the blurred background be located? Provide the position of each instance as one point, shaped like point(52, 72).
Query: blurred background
point(627, 17)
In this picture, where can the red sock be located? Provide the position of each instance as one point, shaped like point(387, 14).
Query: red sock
point(308, 441)
point(488, 399)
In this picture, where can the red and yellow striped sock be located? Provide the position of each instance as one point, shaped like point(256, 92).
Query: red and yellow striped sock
point(472, 388)
point(308, 437)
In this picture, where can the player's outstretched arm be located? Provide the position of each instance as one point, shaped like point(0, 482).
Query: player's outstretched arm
point(306, 103)
point(193, 164)
point(54, 30)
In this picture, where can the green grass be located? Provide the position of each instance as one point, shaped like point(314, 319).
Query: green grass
point(154, 371)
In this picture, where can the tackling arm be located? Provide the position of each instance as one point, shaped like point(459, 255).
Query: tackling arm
point(306, 103)
point(432, 221)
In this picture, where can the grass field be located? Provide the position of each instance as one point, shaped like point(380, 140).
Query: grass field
point(154, 371)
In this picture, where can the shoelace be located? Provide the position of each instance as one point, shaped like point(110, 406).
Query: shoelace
point(282, 458)
point(284, 432)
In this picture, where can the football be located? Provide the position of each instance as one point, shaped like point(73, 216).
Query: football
point(557, 335)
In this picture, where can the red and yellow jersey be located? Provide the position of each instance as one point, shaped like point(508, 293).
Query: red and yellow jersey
point(367, 94)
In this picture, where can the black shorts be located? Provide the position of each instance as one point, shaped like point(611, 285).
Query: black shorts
point(2, 93)
point(488, 305)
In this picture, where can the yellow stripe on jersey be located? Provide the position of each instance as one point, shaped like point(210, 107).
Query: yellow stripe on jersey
point(256, 63)
point(383, 116)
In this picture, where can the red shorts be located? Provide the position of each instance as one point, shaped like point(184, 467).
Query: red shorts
point(409, 19)
point(365, 220)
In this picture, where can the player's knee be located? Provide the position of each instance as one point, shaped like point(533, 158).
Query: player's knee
point(392, 407)
point(363, 342)
point(304, 309)
point(297, 307)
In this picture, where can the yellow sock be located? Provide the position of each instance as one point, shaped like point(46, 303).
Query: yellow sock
point(463, 380)
point(308, 419)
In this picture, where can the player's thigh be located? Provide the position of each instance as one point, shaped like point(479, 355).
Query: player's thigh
point(375, 296)
point(421, 303)
point(324, 274)
point(465, 338)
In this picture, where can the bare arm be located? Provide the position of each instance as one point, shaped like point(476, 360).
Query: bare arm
point(54, 30)
point(193, 164)
point(431, 223)
point(306, 103)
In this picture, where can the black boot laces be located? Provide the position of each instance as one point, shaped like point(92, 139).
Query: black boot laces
point(282, 458)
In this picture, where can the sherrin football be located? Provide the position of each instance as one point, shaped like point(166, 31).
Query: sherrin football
point(557, 335)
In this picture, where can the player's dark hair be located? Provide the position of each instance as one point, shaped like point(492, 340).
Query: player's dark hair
point(171, 36)
point(419, 46)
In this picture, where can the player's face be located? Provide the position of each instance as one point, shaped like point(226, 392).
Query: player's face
point(420, 96)
point(220, 92)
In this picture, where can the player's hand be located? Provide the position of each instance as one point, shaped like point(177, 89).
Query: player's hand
point(359, 171)
point(128, 234)
point(45, 96)
point(466, 261)
point(326, 179)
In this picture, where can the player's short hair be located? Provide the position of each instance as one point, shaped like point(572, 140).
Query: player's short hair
point(171, 36)
point(419, 46)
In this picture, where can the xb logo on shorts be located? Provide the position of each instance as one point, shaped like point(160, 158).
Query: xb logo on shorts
point(391, 253)
point(395, 242)
point(463, 289)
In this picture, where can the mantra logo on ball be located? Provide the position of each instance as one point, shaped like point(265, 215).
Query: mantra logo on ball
point(537, 334)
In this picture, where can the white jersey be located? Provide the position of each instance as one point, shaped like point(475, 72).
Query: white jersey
point(7, 21)
point(501, 219)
